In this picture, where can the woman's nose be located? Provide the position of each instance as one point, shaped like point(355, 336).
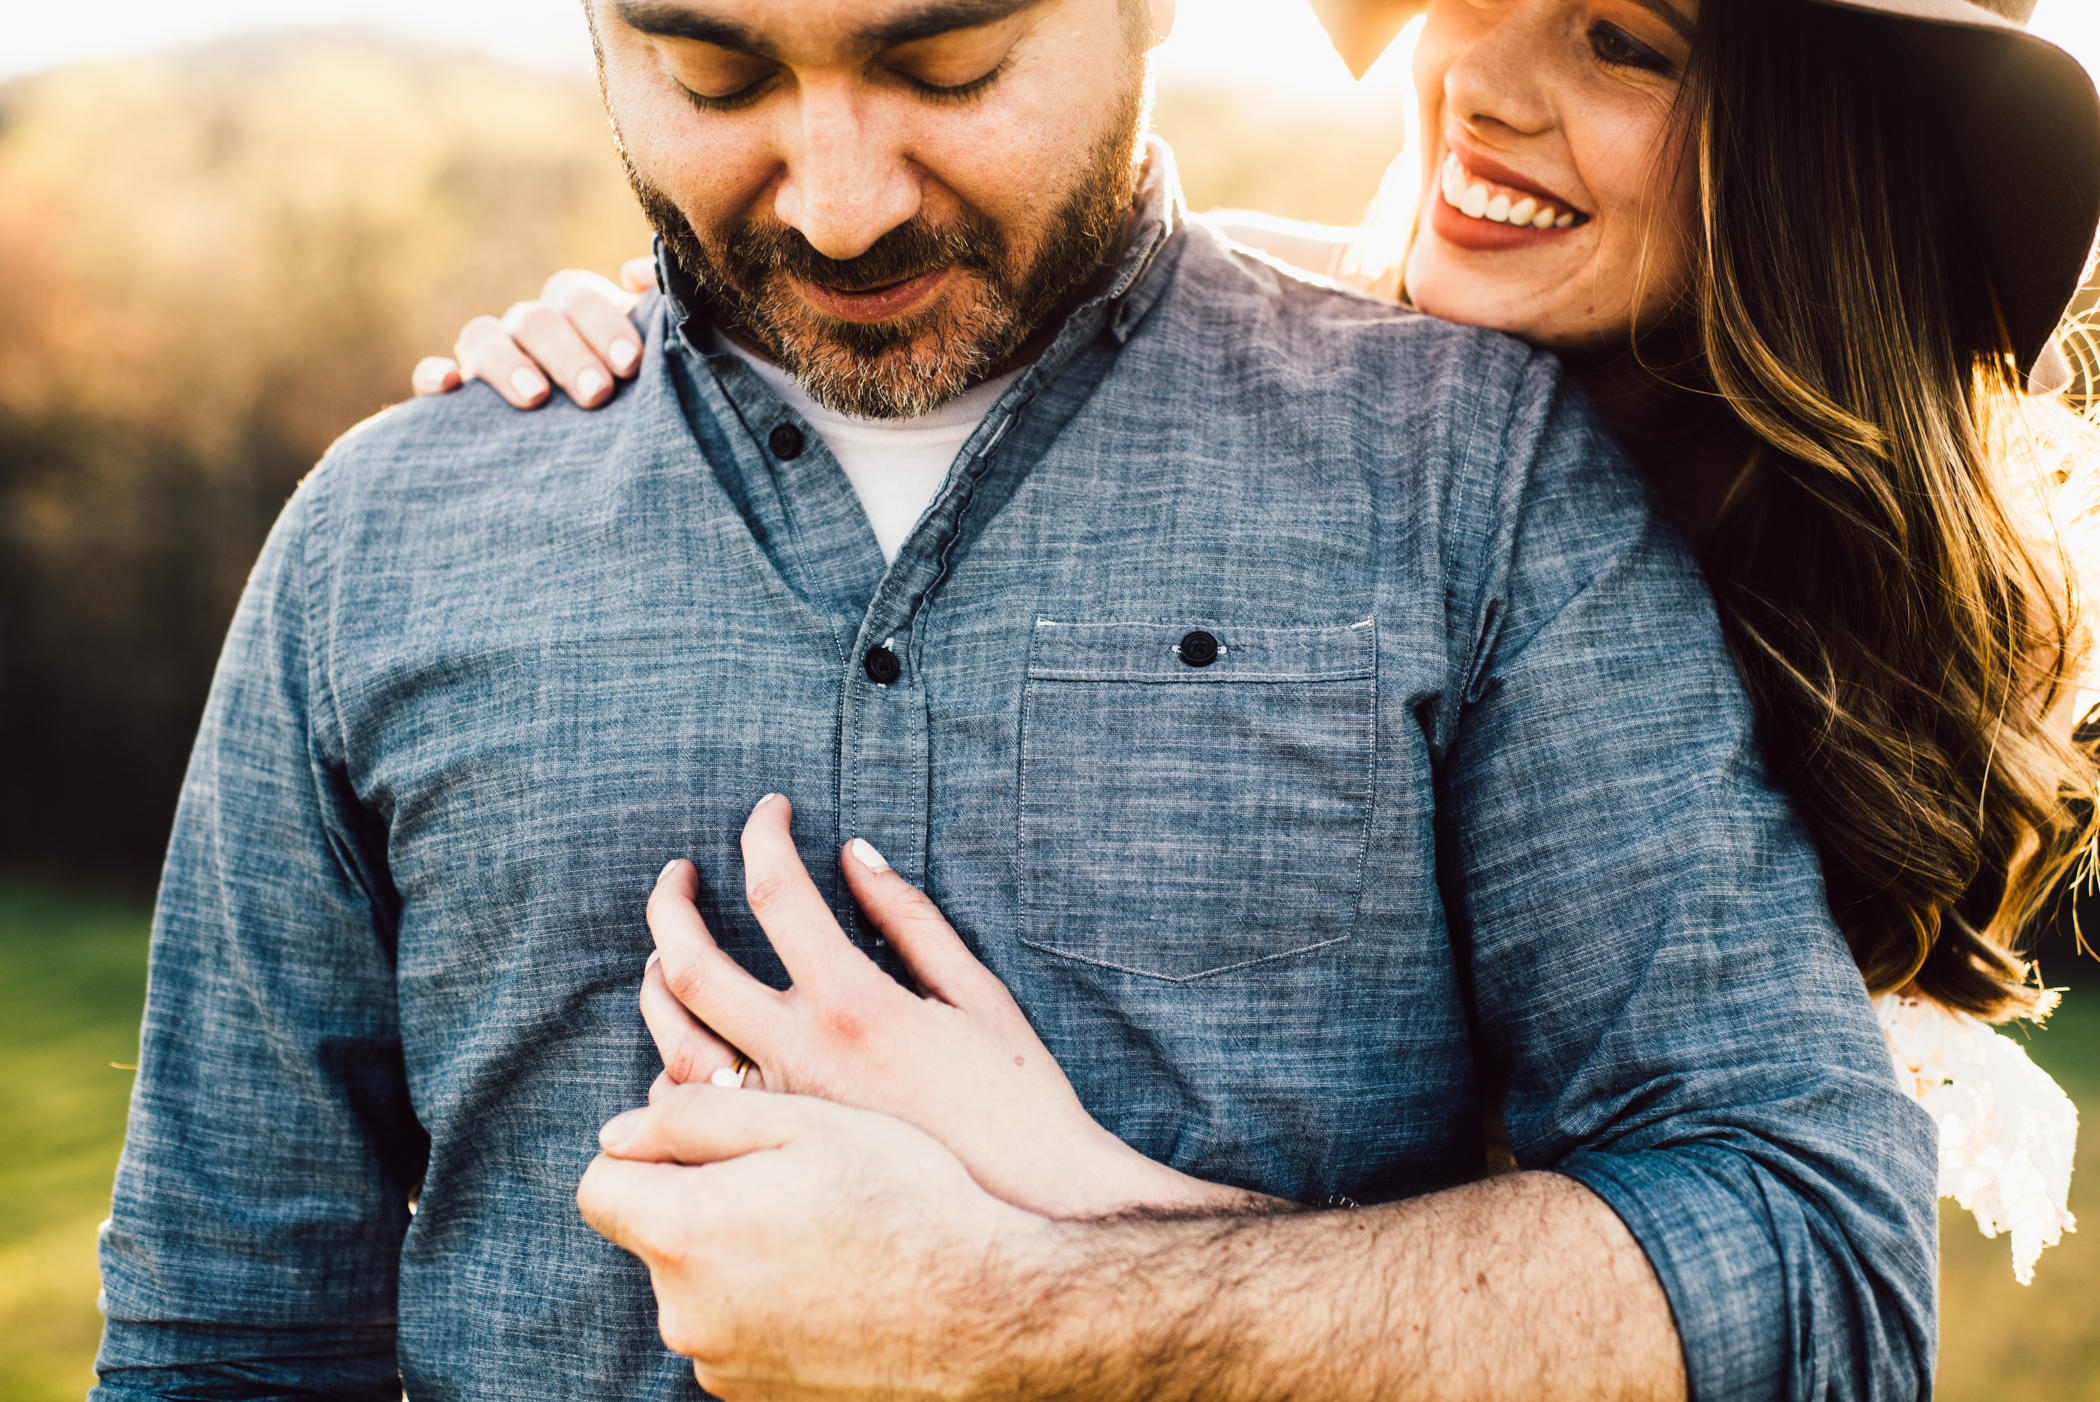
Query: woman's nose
point(1500, 79)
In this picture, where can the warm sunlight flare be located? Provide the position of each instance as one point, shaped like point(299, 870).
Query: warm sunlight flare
point(2073, 25)
point(1275, 44)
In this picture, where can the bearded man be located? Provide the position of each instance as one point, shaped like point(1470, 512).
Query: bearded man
point(1294, 702)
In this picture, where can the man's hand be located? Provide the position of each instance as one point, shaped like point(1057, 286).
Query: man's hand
point(577, 331)
point(958, 1058)
point(802, 1249)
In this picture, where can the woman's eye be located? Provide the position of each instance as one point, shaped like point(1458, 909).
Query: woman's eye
point(1616, 47)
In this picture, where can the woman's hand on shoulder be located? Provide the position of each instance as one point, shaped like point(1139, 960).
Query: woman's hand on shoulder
point(576, 333)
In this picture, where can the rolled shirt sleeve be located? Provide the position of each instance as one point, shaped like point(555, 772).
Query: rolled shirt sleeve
point(270, 1056)
point(1658, 987)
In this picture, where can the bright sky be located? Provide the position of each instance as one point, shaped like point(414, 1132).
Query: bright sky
point(1275, 42)
point(2073, 24)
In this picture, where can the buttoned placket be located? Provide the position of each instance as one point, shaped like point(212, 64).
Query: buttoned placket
point(810, 525)
point(884, 753)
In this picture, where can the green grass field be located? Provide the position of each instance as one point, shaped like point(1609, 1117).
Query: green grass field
point(73, 974)
point(72, 980)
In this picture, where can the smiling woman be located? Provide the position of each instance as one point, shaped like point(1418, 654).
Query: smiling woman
point(1574, 110)
point(1774, 241)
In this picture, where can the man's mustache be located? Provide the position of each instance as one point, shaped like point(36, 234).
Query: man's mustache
point(919, 246)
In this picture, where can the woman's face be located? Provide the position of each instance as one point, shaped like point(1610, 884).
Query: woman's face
point(1559, 198)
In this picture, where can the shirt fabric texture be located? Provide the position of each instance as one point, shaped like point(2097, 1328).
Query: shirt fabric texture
point(1467, 797)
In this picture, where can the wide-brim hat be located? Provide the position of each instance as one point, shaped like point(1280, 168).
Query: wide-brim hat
point(2023, 114)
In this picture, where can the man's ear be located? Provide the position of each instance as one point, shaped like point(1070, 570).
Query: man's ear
point(1162, 20)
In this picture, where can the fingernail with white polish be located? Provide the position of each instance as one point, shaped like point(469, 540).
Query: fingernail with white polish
point(864, 852)
point(764, 801)
point(529, 384)
point(619, 1129)
point(656, 956)
point(624, 355)
point(667, 869)
point(591, 383)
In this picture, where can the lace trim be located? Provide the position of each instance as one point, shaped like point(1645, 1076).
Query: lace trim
point(2007, 1131)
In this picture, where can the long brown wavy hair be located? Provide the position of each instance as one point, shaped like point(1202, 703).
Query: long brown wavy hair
point(1898, 607)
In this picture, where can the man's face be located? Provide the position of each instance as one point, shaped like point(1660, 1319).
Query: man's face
point(888, 196)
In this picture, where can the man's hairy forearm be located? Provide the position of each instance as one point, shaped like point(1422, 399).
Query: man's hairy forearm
point(1520, 1286)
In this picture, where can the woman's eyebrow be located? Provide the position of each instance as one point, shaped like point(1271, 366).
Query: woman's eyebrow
point(1669, 14)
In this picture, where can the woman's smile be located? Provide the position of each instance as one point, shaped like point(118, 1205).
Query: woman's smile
point(1485, 215)
point(1556, 206)
point(1513, 201)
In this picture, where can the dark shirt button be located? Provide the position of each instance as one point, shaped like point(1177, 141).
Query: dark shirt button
point(1199, 649)
point(882, 664)
point(786, 442)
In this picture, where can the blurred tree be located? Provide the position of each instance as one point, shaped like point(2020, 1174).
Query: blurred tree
point(209, 268)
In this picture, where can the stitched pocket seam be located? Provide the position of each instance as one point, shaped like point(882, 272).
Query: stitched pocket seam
point(1309, 650)
point(1201, 975)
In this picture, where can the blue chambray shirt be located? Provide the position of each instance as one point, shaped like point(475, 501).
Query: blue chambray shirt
point(1468, 796)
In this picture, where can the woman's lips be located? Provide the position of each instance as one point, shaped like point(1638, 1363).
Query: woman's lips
point(873, 304)
point(1477, 213)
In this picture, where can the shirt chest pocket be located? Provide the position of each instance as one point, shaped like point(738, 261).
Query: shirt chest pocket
point(1195, 798)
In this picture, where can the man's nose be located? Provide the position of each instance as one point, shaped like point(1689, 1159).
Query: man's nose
point(848, 182)
point(1497, 81)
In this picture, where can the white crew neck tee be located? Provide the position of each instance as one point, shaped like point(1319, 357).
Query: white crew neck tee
point(895, 465)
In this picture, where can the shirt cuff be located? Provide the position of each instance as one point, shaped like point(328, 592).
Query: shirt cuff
point(1769, 1291)
point(231, 1363)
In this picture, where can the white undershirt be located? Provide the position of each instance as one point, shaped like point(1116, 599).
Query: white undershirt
point(895, 465)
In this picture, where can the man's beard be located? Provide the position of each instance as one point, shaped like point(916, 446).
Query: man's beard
point(905, 367)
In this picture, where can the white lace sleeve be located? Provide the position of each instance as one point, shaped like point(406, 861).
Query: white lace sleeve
point(2007, 1131)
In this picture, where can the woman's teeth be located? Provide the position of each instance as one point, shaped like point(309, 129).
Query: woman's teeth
point(1476, 199)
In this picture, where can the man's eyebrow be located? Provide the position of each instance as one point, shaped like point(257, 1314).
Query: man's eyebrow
point(664, 19)
point(1669, 14)
point(941, 17)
